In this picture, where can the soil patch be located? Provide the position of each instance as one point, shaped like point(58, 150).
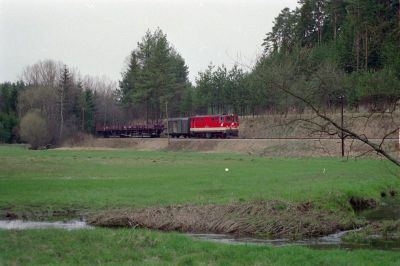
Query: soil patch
point(272, 219)
point(359, 204)
point(42, 215)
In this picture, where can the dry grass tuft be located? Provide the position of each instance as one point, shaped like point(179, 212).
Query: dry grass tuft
point(274, 219)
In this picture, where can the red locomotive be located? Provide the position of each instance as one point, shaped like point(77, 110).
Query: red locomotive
point(207, 126)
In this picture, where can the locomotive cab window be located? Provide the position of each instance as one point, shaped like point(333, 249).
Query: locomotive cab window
point(221, 119)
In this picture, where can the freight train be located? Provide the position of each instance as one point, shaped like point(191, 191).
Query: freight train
point(207, 126)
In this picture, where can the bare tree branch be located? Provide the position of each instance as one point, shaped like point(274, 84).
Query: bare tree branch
point(377, 148)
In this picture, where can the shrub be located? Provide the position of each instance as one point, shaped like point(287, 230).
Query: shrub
point(33, 129)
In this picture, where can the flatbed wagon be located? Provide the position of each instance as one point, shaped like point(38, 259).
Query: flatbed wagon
point(130, 131)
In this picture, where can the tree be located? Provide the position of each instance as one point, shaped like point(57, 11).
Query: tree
point(8, 110)
point(305, 88)
point(88, 110)
point(54, 89)
point(353, 35)
point(282, 38)
point(336, 13)
point(311, 22)
point(44, 73)
point(156, 74)
point(106, 108)
point(44, 100)
point(33, 129)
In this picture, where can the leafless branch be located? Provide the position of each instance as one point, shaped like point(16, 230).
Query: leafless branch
point(377, 148)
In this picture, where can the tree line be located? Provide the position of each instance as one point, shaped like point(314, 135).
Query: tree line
point(335, 49)
point(51, 103)
point(358, 40)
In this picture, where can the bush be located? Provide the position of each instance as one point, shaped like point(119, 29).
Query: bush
point(33, 129)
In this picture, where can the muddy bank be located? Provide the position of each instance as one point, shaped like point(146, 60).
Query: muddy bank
point(39, 214)
point(380, 233)
point(383, 228)
point(272, 219)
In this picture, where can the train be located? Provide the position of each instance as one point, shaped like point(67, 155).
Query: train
point(206, 126)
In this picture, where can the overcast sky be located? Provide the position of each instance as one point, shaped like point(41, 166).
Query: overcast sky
point(96, 37)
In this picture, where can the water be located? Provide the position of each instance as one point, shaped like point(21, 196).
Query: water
point(332, 241)
point(21, 225)
point(389, 209)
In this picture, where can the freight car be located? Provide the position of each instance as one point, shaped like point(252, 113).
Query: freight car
point(208, 126)
point(126, 131)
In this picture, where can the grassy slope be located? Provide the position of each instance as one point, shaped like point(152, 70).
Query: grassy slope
point(133, 247)
point(59, 179)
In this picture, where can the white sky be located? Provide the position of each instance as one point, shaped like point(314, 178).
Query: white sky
point(96, 37)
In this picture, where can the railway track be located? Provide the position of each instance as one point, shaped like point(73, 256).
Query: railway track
point(287, 138)
point(310, 138)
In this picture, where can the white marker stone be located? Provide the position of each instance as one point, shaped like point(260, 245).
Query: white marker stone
point(226, 169)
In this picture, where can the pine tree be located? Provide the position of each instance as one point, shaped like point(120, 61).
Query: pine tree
point(156, 74)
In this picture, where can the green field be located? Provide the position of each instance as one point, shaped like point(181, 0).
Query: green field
point(40, 183)
point(59, 179)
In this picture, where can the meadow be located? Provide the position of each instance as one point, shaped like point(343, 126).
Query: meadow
point(47, 183)
point(99, 179)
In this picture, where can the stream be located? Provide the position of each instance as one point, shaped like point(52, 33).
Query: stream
point(388, 210)
point(329, 241)
point(325, 242)
point(21, 225)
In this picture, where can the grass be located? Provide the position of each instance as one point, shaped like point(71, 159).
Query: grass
point(143, 247)
point(56, 180)
point(387, 231)
point(88, 179)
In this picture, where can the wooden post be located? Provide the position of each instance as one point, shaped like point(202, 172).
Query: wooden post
point(166, 115)
point(341, 97)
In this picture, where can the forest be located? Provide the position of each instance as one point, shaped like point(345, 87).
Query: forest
point(327, 51)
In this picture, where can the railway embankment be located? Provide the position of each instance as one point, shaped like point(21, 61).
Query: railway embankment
point(376, 125)
point(270, 135)
point(300, 147)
